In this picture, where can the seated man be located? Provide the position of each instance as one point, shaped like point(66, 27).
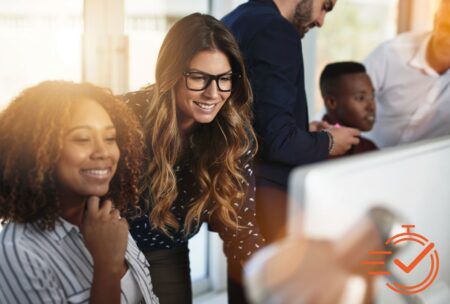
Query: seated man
point(348, 95)
point(411, 76)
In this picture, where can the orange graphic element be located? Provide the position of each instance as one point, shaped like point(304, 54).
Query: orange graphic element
point(408, 268)
point(428, 250)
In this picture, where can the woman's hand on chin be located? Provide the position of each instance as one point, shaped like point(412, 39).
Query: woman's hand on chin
point(105, 235)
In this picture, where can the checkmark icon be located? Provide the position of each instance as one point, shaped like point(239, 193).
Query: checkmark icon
point(410, 267)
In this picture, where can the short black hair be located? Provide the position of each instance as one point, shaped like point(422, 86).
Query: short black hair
point(332, 71)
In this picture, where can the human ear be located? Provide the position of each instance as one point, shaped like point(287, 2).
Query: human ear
point(330, 103)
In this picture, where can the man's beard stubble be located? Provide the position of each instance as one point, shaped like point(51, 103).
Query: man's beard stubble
point(302, 17)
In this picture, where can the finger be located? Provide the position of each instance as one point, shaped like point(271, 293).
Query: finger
point(355, 132)
point(92, 205)
point(125, 222)
point(106, 207)
point(115, 214)
point(313, 126)
point(355, 140)
point(325, 125)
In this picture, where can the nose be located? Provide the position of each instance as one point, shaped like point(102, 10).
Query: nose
point(100, 149)
point(321, 19)
point(212, 91)
point(371, 105)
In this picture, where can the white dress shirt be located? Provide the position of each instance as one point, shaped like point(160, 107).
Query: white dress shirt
point(413, 100)
point(55, 266)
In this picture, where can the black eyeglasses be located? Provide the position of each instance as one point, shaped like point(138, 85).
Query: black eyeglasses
point(199, 81)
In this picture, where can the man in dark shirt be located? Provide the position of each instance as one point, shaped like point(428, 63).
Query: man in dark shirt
point(348, 95)
point(269, 34)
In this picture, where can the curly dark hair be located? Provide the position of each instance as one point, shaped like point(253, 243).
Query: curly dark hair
point(31, 139)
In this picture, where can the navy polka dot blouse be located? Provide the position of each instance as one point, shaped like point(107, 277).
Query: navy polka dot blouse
point(239, 243)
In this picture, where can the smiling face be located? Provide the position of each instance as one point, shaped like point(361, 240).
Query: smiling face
point(89, 156)
point(311, 13)
point(354, 104)
point(202, 106)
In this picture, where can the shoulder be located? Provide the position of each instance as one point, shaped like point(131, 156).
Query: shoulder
point(405, 44)
point(367, 145)
point(12, 236)
point(16, 251)
point(409, 39)
point(250, 13)
point(138, 101)
point(256, 19)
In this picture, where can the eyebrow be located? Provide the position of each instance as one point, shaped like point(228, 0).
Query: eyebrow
point(202, 72)
point(87, 127)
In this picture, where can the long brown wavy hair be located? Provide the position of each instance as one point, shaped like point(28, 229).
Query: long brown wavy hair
point(219, 148)
point(31, 139)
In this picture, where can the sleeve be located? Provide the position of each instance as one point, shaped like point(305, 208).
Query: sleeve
point(26, 278)
point(241, 243)
point(276, 72)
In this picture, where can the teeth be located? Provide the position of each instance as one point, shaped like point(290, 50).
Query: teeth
point(205, 105)
point(98, 172)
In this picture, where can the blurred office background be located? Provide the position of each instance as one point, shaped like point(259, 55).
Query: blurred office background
point(114, 43)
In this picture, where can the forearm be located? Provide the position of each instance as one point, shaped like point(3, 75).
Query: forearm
point(105, 285)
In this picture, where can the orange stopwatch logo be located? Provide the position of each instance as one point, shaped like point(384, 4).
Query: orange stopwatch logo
point(427, 252)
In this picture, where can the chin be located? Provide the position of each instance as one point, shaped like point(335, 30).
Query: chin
point(97, 191)
point(366, 128)
point(205, 120)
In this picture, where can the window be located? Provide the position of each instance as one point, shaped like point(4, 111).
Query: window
point(107, 42)
point(146, 25)
point(38, 42)
point(351, 31)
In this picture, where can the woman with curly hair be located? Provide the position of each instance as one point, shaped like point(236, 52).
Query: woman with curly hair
point(67, 151)
point(200, 145)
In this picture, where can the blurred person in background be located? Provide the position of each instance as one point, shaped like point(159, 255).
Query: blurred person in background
point(411, 77)
point(269, 35)
point(349, 100)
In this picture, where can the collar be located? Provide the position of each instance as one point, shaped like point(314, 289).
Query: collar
point(419, 60)
point(62, 229)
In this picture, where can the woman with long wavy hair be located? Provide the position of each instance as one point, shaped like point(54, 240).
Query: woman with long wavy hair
point(67, 153)
point(200, 145)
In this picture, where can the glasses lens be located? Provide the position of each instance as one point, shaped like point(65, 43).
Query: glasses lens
point(196, 81)
point(225, 82)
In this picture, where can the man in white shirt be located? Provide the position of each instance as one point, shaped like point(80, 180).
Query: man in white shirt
point(411, 77)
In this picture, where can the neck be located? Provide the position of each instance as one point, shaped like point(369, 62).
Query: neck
point(72, 209)
point(185, 126)
point(438, 61)
point(186, 129)
point(286, 8)
point(331, 118)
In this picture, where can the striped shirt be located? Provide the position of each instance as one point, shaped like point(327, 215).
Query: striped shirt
point(55, 266)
